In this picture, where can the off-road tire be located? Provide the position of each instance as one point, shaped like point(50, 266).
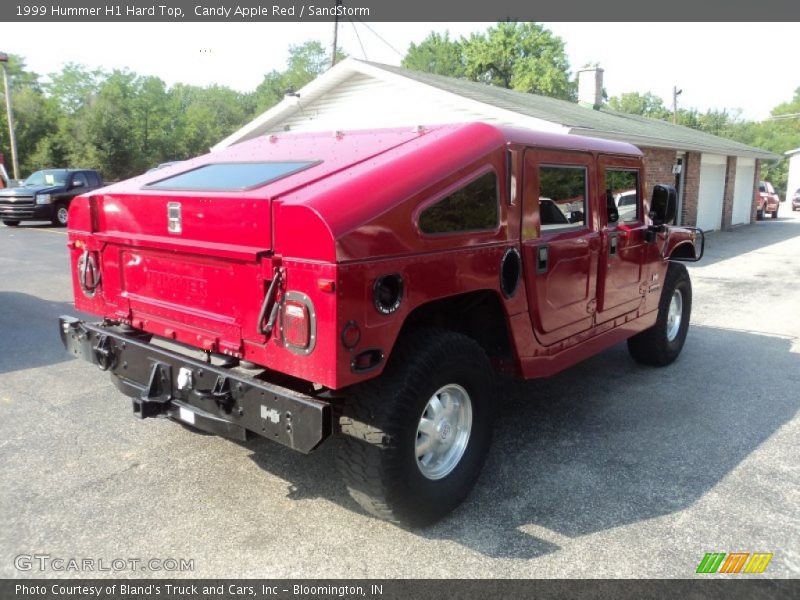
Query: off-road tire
point(377, 455)
point(10, 223)
point(652, 346)
point(56, 220)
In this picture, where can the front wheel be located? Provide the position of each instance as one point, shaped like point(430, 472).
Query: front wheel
point(413, 441)
point(661, 344)
point(60, 215)
point(775, 214)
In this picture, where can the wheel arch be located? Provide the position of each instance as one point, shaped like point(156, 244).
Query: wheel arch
point(479, 314)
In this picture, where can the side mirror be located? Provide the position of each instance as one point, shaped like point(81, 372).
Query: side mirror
point(664, 204)
point(75, 184)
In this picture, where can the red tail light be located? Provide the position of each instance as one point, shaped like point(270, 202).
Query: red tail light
point(296, 324)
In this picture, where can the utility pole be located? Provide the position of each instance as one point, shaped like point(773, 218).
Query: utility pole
point(335, 33)
point(11, 137)
point(675, 93)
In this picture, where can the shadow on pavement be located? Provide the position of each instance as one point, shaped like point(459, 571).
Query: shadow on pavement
point(29, 331)
point(604, 444)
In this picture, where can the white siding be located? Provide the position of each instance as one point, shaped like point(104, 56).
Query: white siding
point(711, 191)
point(743, 190)
point(364, 102)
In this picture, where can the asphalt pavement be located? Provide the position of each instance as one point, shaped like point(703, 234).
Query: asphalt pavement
point(609, 469)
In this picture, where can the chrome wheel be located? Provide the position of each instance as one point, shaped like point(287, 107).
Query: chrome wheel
point(61, 215)
point(443, 431)
point(674, 315)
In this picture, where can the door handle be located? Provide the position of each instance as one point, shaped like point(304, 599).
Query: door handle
point(542, 256)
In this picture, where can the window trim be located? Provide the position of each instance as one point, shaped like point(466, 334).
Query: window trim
point(152, 185)
point(572, 227)
point(449, 190)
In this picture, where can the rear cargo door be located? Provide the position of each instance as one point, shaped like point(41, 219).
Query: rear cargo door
point(183, 251)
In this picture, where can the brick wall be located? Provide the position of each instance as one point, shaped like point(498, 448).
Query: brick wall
point(691, 190)
point(727, 199)
point(658, 164)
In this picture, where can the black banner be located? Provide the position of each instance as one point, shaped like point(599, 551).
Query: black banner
point(107, 11)
point(395, 589)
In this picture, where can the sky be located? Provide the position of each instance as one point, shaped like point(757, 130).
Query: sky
point(751, 67)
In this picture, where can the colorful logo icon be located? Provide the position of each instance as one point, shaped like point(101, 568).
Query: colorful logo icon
point(734, 562)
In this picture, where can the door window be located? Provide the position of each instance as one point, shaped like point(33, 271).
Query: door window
point(562, 197)
point(622, 196)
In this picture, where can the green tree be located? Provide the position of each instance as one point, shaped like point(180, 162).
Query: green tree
point(646, 105)
point(306, 62)
point(520, 56)
point(34, 115)
point(437, 54)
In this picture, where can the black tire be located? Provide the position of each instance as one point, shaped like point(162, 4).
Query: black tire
point(775, 214)
point(379, 428)
point(10, 223)
point(653, 346)
point(60, 212)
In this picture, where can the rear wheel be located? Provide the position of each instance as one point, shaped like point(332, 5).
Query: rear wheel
point(661, 344)
point(414, 439)
point(10, 223)
point(60, 215)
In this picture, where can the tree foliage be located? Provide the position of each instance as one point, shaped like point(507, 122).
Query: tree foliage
point(123, 123)
point(520, 56)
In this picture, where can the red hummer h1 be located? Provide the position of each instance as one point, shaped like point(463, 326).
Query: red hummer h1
point(369, 285)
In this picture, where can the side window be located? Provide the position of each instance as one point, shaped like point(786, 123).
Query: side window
point(471, 208)
point(93, 180)
point(562, 197)
point(622, 195)
point(79, 179)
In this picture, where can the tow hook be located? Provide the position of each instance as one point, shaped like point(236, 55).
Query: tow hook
point(104, 353)
point(221, 394)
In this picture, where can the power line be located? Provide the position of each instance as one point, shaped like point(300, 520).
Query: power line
point(377, 35)
point(358, 37)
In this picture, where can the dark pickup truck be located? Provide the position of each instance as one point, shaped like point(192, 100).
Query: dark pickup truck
point(46, 195)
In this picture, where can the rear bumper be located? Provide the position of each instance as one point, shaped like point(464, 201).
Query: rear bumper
point(215, 399)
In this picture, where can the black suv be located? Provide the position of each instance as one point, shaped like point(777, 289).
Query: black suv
point(45, 195)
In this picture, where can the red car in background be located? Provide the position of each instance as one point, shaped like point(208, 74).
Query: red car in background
point(768, 201)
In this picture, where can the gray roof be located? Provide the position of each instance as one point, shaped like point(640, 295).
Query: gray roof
point(636, 129)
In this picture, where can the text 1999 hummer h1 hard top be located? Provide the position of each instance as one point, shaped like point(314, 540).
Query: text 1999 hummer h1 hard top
point(369, 285)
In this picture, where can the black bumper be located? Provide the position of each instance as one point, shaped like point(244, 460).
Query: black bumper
point(214, 399)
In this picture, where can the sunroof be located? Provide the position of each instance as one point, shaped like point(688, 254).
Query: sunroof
point(231, 177)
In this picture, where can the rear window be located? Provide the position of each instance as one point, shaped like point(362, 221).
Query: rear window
point(470, 208)
point(231, 177)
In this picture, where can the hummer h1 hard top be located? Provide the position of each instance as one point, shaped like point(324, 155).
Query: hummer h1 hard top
point(370, 285)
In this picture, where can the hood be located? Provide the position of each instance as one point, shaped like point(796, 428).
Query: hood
point(30, 190)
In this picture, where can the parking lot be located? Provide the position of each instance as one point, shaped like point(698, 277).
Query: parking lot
point(609, 469)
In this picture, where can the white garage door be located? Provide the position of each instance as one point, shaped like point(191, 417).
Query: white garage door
point(711, 192)
point(743, 190)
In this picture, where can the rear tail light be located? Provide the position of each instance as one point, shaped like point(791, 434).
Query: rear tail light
point(298, 323)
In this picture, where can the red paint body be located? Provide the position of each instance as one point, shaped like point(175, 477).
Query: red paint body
point(337, 226)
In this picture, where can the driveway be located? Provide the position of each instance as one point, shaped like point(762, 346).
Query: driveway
point(609, 469)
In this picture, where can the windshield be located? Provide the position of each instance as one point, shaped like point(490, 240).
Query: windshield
point(48, 177)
